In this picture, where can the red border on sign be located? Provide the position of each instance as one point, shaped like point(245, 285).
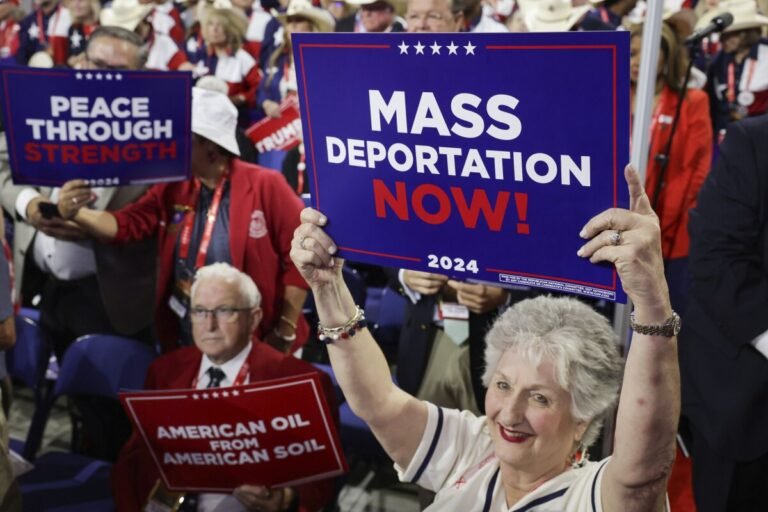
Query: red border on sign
point(184, 394)
point(612, 286)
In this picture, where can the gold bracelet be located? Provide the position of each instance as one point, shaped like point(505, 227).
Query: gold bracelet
point(288, 321)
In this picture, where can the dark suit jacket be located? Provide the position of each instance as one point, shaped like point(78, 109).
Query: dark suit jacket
point(418, 334)
point(134, 474)
point(724, 378)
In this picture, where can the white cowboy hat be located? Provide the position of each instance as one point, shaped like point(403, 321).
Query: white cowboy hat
point(554, 16)
point(214, 117)
point(320, 18)
point(40, 60)
point(125, 13)
point(637, 15)
point(745, 15)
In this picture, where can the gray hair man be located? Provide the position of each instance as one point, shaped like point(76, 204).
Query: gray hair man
point(225, 312)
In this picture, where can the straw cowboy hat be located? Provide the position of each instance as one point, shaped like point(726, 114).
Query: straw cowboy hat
point(125, 13)
point(320, 18)
point(745, 15)
point(554, 16)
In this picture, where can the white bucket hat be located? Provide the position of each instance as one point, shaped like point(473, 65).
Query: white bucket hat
point(554, 16)
point(214, 117)
point(125, 13)
point(745, 15)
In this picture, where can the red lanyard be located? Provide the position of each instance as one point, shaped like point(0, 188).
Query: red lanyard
point(9, 256)
point(300, 168)
point(41, 33)
point(241, 375)
point(731, 95)
point(604, 15)
point(210, 222)
point(656, 115)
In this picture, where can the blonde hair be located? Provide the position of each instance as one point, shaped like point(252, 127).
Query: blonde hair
point(234, 24)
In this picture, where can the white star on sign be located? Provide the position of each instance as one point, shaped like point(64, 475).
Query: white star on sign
point(470, 48)
point(118, 76)
point(225, 394)
point(88, 76)
point(235, 393)
point(452, 49)
point(403, 48)
point(76, 39)
point(419, 48)
point(195, 396)
point(33, 31)
point(109, 77)
point(99, 76)
point(215, 394)
point(79, 76)
point(435, 48)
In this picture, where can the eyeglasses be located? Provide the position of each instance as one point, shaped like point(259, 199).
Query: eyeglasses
point(223, 314)
point(414, 17)
point(100, 64)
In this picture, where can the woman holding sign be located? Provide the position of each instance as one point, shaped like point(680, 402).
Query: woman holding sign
point(553, 373)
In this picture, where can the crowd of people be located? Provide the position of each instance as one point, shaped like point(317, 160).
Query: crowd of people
point(500, 392)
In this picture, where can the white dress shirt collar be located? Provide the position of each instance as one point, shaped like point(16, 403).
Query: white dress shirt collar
point(231, 368)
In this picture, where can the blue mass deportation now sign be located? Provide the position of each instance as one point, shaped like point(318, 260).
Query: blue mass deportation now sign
point(477, 156)
point(109, 127)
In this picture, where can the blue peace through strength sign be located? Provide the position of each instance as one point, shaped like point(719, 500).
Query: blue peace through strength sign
point(109, 127)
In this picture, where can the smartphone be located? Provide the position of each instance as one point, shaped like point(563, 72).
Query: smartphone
point(48, 210)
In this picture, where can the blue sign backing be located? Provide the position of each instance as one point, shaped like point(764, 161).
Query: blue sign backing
point(108, 127)
point(479, 156)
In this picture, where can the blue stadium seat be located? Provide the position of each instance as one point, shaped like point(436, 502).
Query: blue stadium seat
point(96, 365)
point(27, 361)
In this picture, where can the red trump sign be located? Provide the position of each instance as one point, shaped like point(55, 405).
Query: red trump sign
point(273, 433)
point(281, 133)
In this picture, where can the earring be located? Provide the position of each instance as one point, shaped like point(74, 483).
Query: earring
point(580, 457)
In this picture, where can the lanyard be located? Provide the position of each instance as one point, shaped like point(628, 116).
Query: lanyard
point(241, 375)
point(11, 278)
point(300, 168)
point(604, 15)
point(731, 95)
point(42, 32)
point(189, 222)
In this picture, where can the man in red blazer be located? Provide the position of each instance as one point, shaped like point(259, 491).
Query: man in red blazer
point(225, 312)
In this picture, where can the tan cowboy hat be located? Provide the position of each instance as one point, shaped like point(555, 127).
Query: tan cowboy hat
point(40, 60)
point(320, 18)
point(125, 13)
point(554, 16)
point(745, 15)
